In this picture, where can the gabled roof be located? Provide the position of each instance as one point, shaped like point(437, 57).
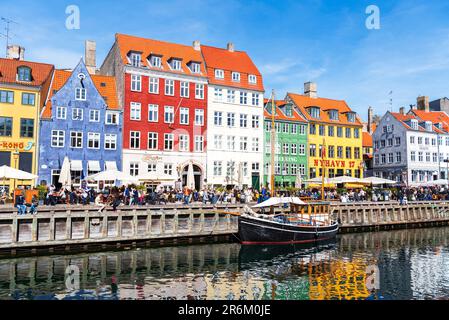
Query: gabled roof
point(280, 115)
point(166, 50)
point(104, 84)
point(434, 116)
point(304, 102)
point(40, 72)
point(367, 140)
point(235, 61)
point(403, 118)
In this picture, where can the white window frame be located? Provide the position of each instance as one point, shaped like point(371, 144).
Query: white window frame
point(79, 112)
point(77, 137)
point(93, 137)
point(153, 108)
point(134, 135)
point(153, 137)
point(135, 111)
point(236, 76)
point(219, 74)
point(169, 87)
point(80, 94)
point(199, 144)
point(153, 85)
point(252, 79)
point(136, 83)
point(199, 117)
point(96, 117)
point(169, 137)
point(61, 113)
point(169, 110)
point(184, 89)
point(114, 115)
point(110, 139)
point(184, 143)
point(199, 91)
point(58, 134)
point(184, 116)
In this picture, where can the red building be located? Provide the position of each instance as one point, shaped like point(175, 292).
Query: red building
point(163, 88)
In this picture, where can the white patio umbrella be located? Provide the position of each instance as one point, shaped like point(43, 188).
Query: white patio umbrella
point(65, 178)
point(378, 181)
point(440, 182)
point(112, 175)
point(191, 177)
point(278, 201)
point(345, 179)
point(11, 173)
point(319, 180)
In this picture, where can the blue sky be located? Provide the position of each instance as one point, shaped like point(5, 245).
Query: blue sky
point(291, 42)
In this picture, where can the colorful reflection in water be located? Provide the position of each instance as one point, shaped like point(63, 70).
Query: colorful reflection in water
point(408, 264)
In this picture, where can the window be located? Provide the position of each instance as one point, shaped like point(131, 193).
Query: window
point(340, 152)
point(356, 133)
point(376, 159)
point(252, 79)
point(236, 76)
point(111, 118)
point(61, 113)
point(340, 132)
point(413, 156)
point(383, 159)
point(243, 121)
point(77, 114)
point(294, 149)
point(397, 141)
point(285, 148)
point(255, 99)
point(314, 112)
point(427, 156)
point(420, 156)
point(6, 96)
point(134, 169)
point(218, 118)
point(255, 145)
point(231, 143)
point(199, 91)
point(218, 142)
point(168, 169)
point(156, 61)
point(76, 140)
point(218, 94)
point(302, 129)
point(26, 128)
point(434, 142)
point(218, 168)
point(153, 113)
point(348, 132)
point(231, 96)
point(185, 89)
point(398, 157)
point(313, 150)
point(331, 152)
point(94, 115)
point(136, 59)
point(169, 87)
point(390, 142)
point(412, 140)
point(169, 114)
point(80, 94)
point(348, 152)
point(243, 98)
point(435, 157)
point(427, 141)
point(294, 128)
point(152, 167)
point(414, 124)
point(255, 123)
point(169, 139)
point(199, 117)
point(333, 115)
point(351, 117)
point(331, 131)
point(312, 129)
point(419, 140)
point(24, 74)
point(57, 138)
point(135, 139)
point(28, 99)
point(184, 143)
point(93, 140)
point(357, 153)
point(176, 64)
point(199, 143)
point(154, 85)
point(184, 116)
point(231, 119)
point(322, 130)
point(243, 143)
point(302, 149)
point(195, 67)
point(110, 141)
point(219, 74)
point(136, 110)
point(152, 141)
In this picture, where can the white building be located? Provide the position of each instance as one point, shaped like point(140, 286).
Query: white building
point(235, 118)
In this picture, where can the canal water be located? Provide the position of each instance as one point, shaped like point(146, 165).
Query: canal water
point(406, 264)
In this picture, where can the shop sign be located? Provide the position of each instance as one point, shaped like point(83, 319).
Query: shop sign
point(20, 146)
point(334, 163)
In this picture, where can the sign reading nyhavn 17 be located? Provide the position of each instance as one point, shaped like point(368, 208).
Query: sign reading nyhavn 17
point(334, 163)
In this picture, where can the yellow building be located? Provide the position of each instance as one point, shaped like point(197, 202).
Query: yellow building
point(334, 127)
point(23, 89)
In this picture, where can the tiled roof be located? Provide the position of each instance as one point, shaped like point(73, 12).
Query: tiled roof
point(303, 102)
point(434, 116)
point(406, 117)
point(166, 50)
point(40, 72)
point(281, 115)
point(367, 140)
point(236, 61)
point(104, 84)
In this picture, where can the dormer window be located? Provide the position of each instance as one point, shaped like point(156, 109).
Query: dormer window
point(136, 59)
point(24, 74)
point(195, 67)
point(351, 117)
point(414, 124)
point(219, 74)
point(429, 126)
point(236, 76)
point(156, 61)
point(175, 64)
point(333, 115)
point(252, 79)
point(440, 125)
point(314, 112)
point(288, 110)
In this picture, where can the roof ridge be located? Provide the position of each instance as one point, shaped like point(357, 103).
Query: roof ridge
point(27, 61)
point(155, 40)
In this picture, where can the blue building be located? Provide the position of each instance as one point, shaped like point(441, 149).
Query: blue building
point(82, 121)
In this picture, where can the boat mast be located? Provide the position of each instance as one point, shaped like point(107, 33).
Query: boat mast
point(323, 166)
point(273, 144)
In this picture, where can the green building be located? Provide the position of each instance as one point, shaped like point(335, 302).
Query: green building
point(291, 145)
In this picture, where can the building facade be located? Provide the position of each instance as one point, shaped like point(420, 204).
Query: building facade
point(163, 87)
point(82, 121)
point(291, 145)
point(235, 116)
point(335, 135)
point(23, 89)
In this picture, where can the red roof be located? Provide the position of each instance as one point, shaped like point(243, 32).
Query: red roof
point(231, 61)
point(281, 115)
point(304, 102)
point(367, 140)
point(166, 50)
point(434, 116)
point(406, 117)
point(104, 84)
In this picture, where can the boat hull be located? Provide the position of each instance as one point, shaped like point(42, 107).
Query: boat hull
point(259, 231)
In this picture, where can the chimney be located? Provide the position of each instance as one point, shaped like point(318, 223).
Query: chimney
point(231, 47)
point(310, 90)
point(423, 103)
point(197, 45)
point(15, 52)
point(91, 56)
point(370, 120)
point(402, 110)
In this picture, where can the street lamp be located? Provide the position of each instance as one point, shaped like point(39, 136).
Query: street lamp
point(15, 155)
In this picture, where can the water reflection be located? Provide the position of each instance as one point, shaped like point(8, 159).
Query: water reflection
point(408, 264)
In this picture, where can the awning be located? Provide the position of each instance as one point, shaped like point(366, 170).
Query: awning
point(111, 165)
point(94, 166)
point(76, 165)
